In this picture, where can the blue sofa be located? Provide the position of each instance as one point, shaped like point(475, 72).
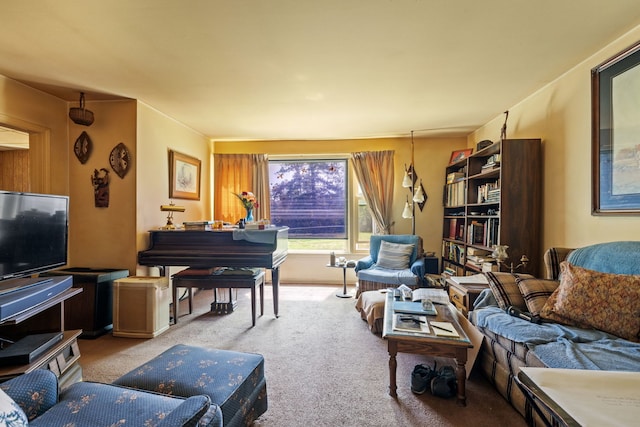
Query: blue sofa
point(372, 276)
point(511, 342)
point(90, 404)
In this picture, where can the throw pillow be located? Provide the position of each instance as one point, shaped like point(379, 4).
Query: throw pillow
point(605, 301)
point(10, 413)
point(505, 289)
point(394, 255)
point(536, 292)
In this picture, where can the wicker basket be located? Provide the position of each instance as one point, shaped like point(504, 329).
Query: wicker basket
point(81, 116)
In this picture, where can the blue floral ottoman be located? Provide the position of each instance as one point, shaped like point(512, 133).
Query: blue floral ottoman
point(235, 381)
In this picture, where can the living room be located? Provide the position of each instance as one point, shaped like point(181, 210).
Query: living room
point(557, 111)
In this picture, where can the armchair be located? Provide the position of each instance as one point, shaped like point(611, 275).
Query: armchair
point(393, 260)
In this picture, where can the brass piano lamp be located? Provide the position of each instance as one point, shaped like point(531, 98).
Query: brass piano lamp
point(171, 208)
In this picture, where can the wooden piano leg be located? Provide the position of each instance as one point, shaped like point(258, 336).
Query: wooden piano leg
point(275, 278)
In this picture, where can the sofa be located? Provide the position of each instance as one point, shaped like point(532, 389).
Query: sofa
point(585, 314)
point(91, 404)
point(393, 260)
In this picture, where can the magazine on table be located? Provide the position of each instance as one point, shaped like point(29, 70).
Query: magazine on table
point(435, 295)
point(444, 329)
point(410, 323)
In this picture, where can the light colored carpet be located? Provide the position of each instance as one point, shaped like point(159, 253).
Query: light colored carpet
point(323, 366)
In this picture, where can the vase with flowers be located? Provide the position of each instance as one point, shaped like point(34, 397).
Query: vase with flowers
point(249, 202)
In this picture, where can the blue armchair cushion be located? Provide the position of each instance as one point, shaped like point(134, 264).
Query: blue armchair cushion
point(394, 256)
point(368, 268)
point(91, 404)
point(10, 412)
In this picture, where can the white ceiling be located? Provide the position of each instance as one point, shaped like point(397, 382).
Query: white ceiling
point(307, 69)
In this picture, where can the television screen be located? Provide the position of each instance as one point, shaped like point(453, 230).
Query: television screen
point(33, 233)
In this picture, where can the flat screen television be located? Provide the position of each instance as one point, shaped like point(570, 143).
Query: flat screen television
point(34, 233)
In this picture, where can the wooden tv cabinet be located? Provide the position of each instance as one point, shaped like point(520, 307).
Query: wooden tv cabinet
point(62, 358)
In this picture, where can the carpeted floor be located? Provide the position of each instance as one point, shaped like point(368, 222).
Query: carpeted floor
point(323, 366)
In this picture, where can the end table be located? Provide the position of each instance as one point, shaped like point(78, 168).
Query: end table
point(344, 268)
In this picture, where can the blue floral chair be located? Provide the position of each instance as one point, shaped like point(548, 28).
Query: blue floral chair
point(393, 260)
point(90, 404)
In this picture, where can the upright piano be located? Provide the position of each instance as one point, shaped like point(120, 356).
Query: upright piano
point(219, 248)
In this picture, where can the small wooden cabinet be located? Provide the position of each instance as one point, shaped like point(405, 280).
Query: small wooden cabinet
point(463, 295)
point(91, 310)
point(61, 358)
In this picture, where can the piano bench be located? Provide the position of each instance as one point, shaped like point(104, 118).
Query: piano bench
point(220, 277)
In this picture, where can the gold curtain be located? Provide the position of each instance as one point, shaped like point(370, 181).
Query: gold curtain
point(375, 172)
point(235, 173)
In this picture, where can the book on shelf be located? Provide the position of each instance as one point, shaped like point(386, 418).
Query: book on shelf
point(454, 176)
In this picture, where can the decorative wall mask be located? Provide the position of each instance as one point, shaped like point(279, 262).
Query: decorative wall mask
point(100, 184)
point(82, 148)
point(120, 160)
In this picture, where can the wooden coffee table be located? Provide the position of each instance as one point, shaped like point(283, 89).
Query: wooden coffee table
point(428, 344)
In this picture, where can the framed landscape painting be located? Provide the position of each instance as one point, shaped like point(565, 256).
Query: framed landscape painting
point(615, 111)
point(184, 176)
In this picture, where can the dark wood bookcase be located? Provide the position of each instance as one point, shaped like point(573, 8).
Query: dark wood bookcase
point(494, 197)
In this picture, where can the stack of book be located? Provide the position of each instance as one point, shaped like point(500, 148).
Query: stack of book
point(477, 257)
point(198, 225)
point(492, 162)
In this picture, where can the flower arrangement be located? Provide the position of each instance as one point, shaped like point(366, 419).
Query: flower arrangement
point(248, 200)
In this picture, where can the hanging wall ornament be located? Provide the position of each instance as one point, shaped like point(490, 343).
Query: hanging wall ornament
point(120, 160)
point(82, 148)
point(100, 184)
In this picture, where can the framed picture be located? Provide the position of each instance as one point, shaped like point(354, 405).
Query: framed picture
point(458, 155)
point(184, 176)
point(615, 133)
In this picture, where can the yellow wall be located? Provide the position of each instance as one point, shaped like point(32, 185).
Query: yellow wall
point(560, 114)
point(103, 237)
point(45, 118)
point(430, 158)
point(156, 135)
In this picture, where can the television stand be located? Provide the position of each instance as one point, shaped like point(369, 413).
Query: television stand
point(62, 357)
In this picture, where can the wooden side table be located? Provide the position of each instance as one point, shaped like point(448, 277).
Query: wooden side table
point(463, 295)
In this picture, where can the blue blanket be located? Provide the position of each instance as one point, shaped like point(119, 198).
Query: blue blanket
point(559, 346)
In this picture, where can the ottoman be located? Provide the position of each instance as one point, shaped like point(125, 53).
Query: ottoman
point(233, 380)
point(370, 304)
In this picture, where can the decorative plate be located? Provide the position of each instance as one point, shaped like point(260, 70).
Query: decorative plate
point(120, 160)
point(82, 148)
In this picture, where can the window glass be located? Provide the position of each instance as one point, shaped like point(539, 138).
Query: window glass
point(310, 197)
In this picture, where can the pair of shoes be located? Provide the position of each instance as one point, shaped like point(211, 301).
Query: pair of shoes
point(444, 383)
point(421, 378)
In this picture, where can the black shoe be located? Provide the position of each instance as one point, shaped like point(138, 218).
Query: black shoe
point(421, 378)
point(444, 383)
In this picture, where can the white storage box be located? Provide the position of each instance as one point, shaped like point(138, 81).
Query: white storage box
point(140, 306)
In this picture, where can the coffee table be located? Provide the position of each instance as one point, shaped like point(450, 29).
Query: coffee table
point(427, 344)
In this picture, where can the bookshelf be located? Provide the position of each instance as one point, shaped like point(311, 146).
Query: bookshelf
point(493, 197)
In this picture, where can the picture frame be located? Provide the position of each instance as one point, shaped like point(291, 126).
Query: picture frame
point(184, 176)
point(615, 131)
point(459, 155)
